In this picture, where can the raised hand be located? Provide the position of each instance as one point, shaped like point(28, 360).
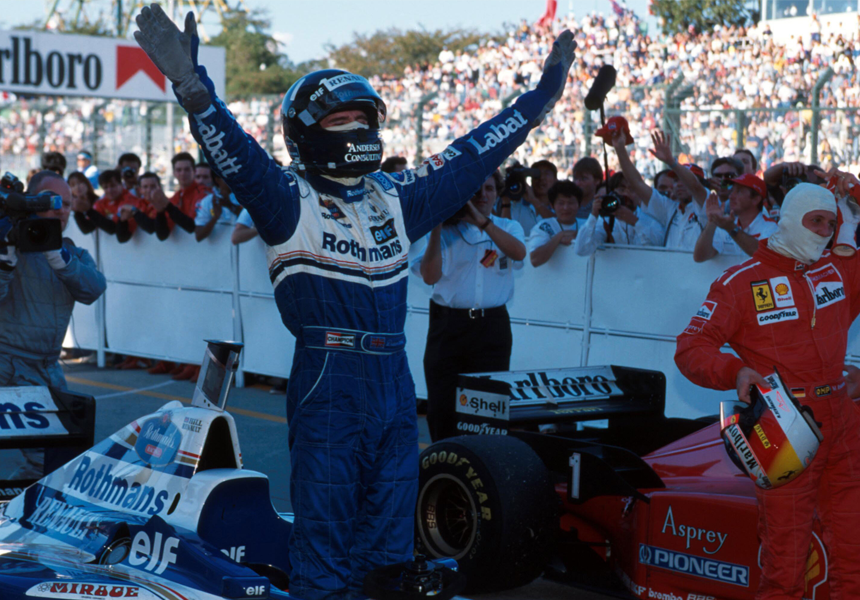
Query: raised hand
point(555, 71)
point(662, 147)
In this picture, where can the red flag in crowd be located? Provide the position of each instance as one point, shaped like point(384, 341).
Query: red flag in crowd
point(617, 8)
point(548, 16)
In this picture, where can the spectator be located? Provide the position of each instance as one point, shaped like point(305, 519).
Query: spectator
point(469, 261)
point(203, 175)
point(548, 234)
point(86, 166)
point(105, 213)
point(527, 207)
point(38, 291)
point(129, 167)
point(747, 159)
point(664, 182)
point(181, 208)
point(587, 174)
point(54, 161)
point(629, 224)
point(393, 164)
point(678, 216)
point(244, 229)
point(723, 171)
point(211, 209)
point(739, 232)
point(83, 198)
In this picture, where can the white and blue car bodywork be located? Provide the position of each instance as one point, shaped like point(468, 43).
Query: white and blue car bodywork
point(161, 510)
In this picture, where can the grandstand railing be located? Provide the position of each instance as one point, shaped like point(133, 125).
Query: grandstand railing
point(624, 305)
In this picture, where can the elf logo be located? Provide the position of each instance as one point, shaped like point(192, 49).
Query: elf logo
point(384, 233)
point(153, 555)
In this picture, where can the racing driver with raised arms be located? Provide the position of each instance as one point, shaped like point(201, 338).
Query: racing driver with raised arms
point(790, 306)
point(338, 233)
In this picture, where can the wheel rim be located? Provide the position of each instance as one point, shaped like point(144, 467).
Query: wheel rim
point(447, 517)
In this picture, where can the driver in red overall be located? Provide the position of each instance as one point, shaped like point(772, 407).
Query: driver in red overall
point(790, 306)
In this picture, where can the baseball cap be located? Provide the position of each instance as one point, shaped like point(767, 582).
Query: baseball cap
point(612, 125)
point(748, 180)
point(85, 154)
point(696, 169)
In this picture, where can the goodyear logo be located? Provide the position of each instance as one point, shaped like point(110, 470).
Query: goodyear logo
point(697, 566)
point(761, 435)
point(762, 296)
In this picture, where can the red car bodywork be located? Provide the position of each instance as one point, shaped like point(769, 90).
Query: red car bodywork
point(696, 539)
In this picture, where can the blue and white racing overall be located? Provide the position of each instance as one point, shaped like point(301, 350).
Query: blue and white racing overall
point(338, 261)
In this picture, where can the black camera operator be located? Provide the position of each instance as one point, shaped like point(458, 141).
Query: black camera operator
point(523, 203)
point(470, 262)
point(38, 290)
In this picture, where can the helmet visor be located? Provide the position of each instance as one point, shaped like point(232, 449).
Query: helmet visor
point(344, 92)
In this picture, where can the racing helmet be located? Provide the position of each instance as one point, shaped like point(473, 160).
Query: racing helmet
point(773, 438)
point(351, 153)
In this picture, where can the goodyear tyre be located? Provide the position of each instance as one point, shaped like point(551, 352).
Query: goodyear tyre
point(488, 502)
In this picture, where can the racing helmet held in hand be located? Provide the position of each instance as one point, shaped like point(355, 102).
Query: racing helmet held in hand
point(773, 438)
point(343, 153)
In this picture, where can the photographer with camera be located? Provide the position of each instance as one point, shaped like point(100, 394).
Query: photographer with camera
point(523, 203)
point(38, 291)
point(617, 218)
point(469, 260)
point(129, 165)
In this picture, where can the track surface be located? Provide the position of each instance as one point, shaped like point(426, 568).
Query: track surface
point(122, 396)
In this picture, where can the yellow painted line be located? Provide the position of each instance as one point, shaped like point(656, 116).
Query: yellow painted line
point(120, 388)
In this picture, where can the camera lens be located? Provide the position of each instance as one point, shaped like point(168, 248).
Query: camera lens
point(37, 233)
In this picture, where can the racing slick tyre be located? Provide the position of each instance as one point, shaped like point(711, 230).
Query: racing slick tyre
point(489, 503)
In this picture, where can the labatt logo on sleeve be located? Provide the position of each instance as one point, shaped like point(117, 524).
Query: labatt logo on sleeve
point(828, 285)
point(500, 132)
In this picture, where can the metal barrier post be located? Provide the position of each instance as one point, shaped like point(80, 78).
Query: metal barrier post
point(667, 100)
point(101, 321)
point(816, 113)
point(586, 330)
point(147, 118)
point(419, 125)
point(238, 335)
point(270, 131)
point(740, 127)
point(587, 132)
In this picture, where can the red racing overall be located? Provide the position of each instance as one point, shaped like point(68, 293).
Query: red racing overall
point(777, 312)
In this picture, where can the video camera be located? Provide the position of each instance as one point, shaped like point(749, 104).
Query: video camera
point(29, 233)
point(515, 180)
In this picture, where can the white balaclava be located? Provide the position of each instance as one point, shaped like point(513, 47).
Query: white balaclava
point(794, 240)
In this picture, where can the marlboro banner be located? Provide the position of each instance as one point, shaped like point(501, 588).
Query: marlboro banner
point(80, 65)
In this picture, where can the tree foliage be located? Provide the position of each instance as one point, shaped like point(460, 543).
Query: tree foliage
point(254, 63)
point(389, 52)
point(679, 15)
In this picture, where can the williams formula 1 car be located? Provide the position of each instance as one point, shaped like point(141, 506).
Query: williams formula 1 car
point(643, 507)
point(161, 510)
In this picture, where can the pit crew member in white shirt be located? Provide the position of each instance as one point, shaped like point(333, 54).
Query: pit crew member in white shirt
point(682, 216)
point(739, 232)
point(470, 262)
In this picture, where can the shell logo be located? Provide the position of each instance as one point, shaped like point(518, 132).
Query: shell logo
point(782, 289)
point(816, 568)
point(463, 400)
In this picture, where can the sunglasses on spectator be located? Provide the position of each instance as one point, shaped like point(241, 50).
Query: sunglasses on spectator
point(727, 175)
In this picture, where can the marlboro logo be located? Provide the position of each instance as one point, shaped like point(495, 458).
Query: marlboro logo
point(130, 60)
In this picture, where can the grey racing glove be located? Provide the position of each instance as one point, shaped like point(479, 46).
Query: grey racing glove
point(171, 50)
point(555, 71)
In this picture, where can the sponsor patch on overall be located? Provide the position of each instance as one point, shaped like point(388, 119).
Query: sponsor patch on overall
point(823, 390)
point(777, 316)
point(762, 296)
point(706, 311)
point(436, 161)
point(332, 208)
point(384, 233)
point(798, 392)
point(489, 259)
point(783, 295)
point(828, 286)
point(334, 339)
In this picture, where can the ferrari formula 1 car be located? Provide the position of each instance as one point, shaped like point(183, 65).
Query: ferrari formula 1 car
point(161, 510)
point(643, 507)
